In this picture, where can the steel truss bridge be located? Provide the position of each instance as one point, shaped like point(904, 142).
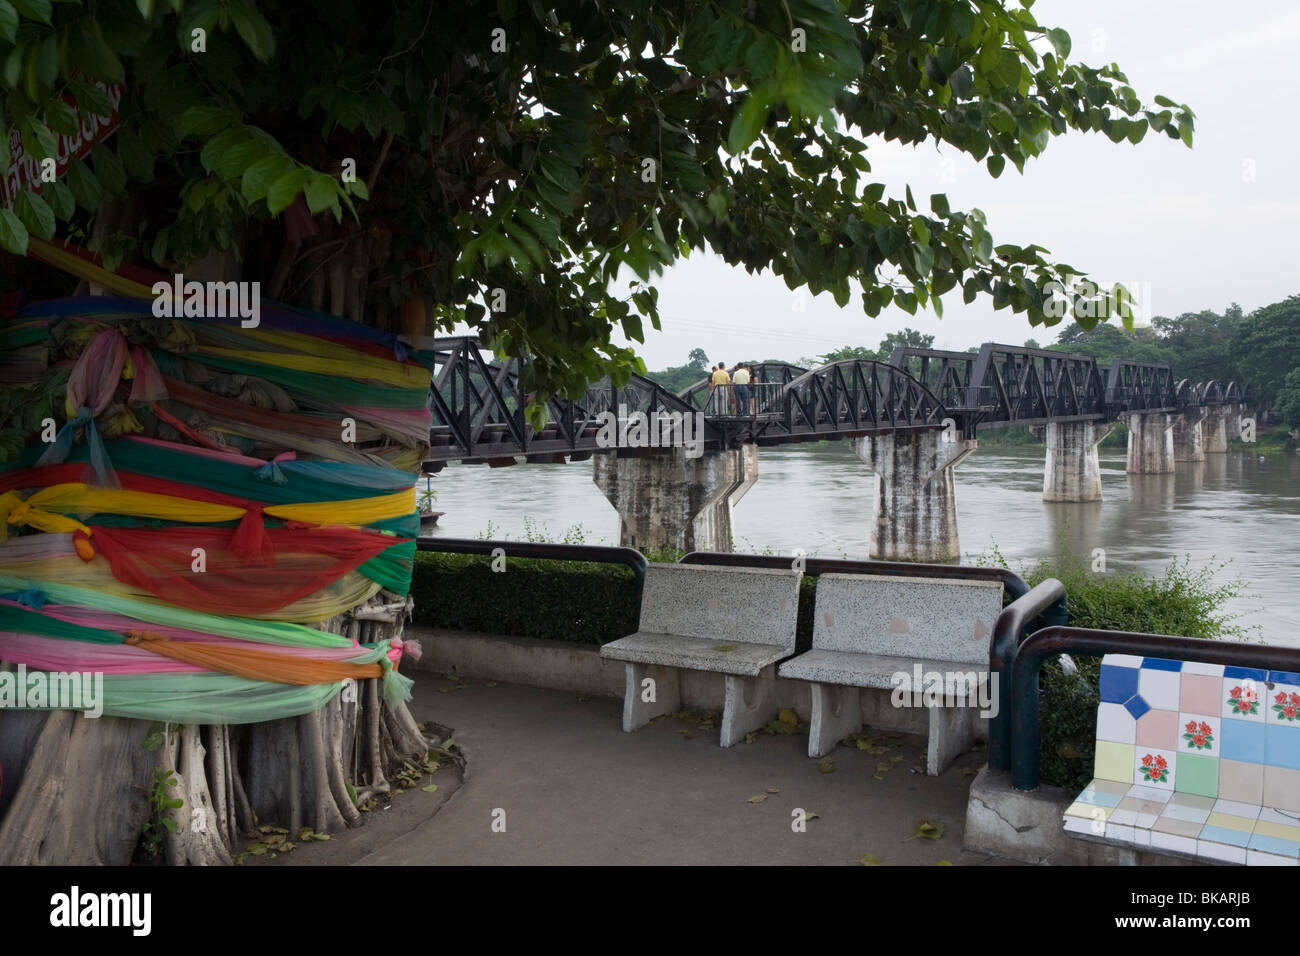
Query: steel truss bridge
point(478, 408)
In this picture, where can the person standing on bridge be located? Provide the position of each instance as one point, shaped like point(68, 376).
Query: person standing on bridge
point(740, 378)
point(720, 377)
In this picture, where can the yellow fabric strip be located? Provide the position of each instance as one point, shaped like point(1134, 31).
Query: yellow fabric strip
point(77, 498)
point(61, 259)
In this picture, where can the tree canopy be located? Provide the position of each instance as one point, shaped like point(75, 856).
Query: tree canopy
point(501, 162)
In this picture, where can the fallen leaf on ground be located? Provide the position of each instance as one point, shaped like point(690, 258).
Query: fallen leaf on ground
point(869, 859)
point(826, 765)
point(883, 767)
point(812, 815)
point(750, 737)
point(726, 647)
point(430, 788)
point(787, 716)
point(759, 798)
point(944, 863)
point(928, 829)
point(773, 790)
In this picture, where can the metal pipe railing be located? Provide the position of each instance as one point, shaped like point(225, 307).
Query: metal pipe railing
point(1014, 583)
point(1028, 662)
point(629, 557)
point(1047, 601)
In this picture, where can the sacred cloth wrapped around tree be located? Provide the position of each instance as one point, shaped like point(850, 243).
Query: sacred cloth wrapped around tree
point(198, 508)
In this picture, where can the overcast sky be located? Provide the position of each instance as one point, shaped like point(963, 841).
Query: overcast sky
point(1184, 229)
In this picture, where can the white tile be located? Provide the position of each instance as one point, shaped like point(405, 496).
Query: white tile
point(1126, 818)
point(1141, 836)
point(1247, 810)
point(1191, 814)
point(1115, 831)
point(1214, 740)
point(1122, 660)
point(1172, 841)
point(1146, 820)
point(1221, 851)
point(1260, 858)
point(1160, 689)
point(1116, 724)
point(1142, 792)
point(1196, 667)
point(1287, 817)
point(1078, 825)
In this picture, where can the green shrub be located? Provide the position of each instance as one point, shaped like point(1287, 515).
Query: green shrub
point(560, 600)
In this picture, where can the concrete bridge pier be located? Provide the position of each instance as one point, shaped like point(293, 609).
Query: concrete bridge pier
point(1150, 443)
point(1214, 430)
point(1189, 438)
point(916, 495)
point(1072, 471)
point(666, 500)
point(1236, 412)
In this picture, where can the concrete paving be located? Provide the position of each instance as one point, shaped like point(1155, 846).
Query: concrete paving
point(572, 788)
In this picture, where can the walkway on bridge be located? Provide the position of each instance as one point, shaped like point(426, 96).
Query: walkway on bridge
point(577, 790)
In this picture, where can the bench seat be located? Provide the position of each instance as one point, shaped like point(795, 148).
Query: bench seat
point(869, 628)
point(853, 669)
point(737, 622)
point(694, 653)
point(1194, 760)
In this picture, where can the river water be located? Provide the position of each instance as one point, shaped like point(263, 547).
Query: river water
point(1237, 508)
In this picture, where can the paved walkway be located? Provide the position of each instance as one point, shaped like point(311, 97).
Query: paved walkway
point(576, 790)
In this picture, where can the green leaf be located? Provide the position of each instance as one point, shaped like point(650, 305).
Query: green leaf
point(253, 30)
point(61, 200)
point(748, 122)
point(109, 169)
point(35, 9)
point(322, 193)
point(929, 830)
point(60, 117)
point(258, 177)
point(216, 147)
point(205, 120)
point(281, 193)
point(1060, 41)
point(13, 234)
point(38, 141)
point(91, 98)
point(8, 21)
point(996, 164)
point(235, 160)
point(939, 205)
point(85, 185)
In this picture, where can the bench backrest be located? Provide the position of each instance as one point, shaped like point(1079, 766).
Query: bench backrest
point(922, 618)
point(749, 605)
point(1231, 733)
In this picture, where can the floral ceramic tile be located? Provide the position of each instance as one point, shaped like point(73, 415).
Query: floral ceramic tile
point(1154, 767)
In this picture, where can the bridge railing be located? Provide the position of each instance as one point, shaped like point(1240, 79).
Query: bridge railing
point(754, 400)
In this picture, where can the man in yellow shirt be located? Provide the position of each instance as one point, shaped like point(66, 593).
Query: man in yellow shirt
point(719, 377)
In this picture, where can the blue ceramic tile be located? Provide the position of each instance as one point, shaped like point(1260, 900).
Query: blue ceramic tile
point(1137, 706)
point(1243, 740)
point(1241, 673)
point(1283, 677)
point(1272, 844)
point(1099, 798)
point(1225, 836)
point(1118, 684)
point(1160, 664)
point(1282, 745)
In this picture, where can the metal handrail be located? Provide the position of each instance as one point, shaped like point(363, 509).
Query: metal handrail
point(1040, 645)
point(629, 557)
point(1046, 602)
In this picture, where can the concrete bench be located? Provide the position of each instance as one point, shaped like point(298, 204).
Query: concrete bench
point(1195, 760)
point(733, 621)
point(870, 628)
